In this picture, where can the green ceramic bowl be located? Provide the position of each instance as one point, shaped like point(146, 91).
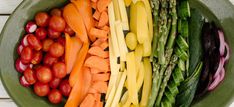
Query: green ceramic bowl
point(220, 11)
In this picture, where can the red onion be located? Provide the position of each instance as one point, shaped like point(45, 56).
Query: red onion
point(228, 52)
point(221, 64)
point(222, 42)
point(222, 74)
point(214, 83)
point(30, 27)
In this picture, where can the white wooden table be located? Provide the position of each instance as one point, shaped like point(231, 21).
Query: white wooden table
point(6, 8)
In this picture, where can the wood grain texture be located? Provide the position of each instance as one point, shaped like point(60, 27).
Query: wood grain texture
point(8, 6)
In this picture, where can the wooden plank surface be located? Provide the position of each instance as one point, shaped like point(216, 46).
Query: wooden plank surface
point(8, 6)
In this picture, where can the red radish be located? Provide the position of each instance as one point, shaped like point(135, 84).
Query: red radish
point(23, 81)
point(54, 83)
point(19, 49)
point(30, 76)
point(41, 89)
point(34, 42)
point(20, 67)
point(37, 57)
point(55, 96)
point(65, 88)
point(41, 33)
point(30, 27)
point(26, 55)
point(24, 41)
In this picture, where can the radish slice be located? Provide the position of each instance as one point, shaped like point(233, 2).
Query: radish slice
point(30, 27)
point(20, 67)
point(228, 52)
point(221, 64)
point(214, 83)
point(222, 42)
point(23, 82)
point(24, 41)
point(19, 49)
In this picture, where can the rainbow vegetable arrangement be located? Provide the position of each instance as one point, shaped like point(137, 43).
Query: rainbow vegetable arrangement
point(124, 53)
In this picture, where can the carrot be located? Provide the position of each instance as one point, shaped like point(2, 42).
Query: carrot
point(78, 64)
point(75, 21)
point(106, 28)
point(99, 104)
point(104, 45)
point(96, 15)
point(89, 101)
point(85, 9)
point(101, 87)
point(98, 63)
point(92, 90)
point(73, 46)
point(97, 51)
point(96, 71)
point(102, 5)
point(87, 80)
point(97, 96)
point(101, 77)
point(94, 1)
point(94, 5)
point(75, 96)
point(104, 19)
point(99, 41)
point(98, 33)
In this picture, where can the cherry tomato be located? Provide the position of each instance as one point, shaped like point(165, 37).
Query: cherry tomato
point(69, 31)
point(49, 60)
point(46, 44)
point(55, 96)
point(53, 34)
point(30, 76)
point(41, 89)
point(44, 74)
point(54, 83)
point(26, 55)
point(62, 58)
point(42, 19)
point(65, 88)
point(41, 33)
point(61, 40)
point(57, 23)
point(56, 49)
point(56, 12)
point(37, 57)
point(34, 42)
point(59, 70)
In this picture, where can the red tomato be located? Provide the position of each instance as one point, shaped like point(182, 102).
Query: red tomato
point(55, 96)
point(49, 60)
point(26, 55)
point(57, 23)
point(41, 33)
point(41, 89)
point(69, 31)
point(34, 42)
point(29, 75)
point(42, 19)
point(54, 83)
point(37, 57)
point(59, 70)
point(56, 49)
point(44, 74)
point(65, 88)
point(61, 40)
point(46, 44)
point(56, 12)
point(53, 34)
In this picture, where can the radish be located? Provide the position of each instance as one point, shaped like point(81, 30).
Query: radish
point(20, 48)
point(23, 82)
point(30, 27)
point(20, 67)
point(24, 41)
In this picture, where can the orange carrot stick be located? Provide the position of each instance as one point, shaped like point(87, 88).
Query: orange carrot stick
point(87, 80)
point(89, 101)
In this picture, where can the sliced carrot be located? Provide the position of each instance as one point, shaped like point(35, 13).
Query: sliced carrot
point(106, 28)
point(102, 5)
point(75, 97)
point(99, 104)
point(78, 64)
point(89, 101)
point(103, 20)
point(96, 71)
point(101, 77)
point(94, 5)
point(92, 90)
point(99, 41)
point(97, 51)
point(87, 80)
point(94, 1)
point(98, 63)
point(98, 33)
point(96, 15)
point(85, 9)
point(104, 45)
point(97, 96)
point(101, 87)
point(73, 46)
point(75, 21)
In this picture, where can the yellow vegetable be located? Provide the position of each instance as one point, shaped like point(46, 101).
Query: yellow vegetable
point(133, 19)
point(149, 18)
point(147, 47)
point(116, 9)
point(123, 14)
point(139, 54)
point(131, 40)
point(127, 2)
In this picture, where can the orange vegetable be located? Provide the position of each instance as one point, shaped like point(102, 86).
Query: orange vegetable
point(98, 33)
point(104, 45)
point(103, 20)
point(89, 101)
point(92, 90)
point(102, 5)
point(94, 5)
point(96, 71)
point(99, 104)
point(87, 80)
point(75, 21)
point(96, 15)
point(98, 63)
point(99, 41)
point(73, 46)
point(101, 77)
point(78, 64)
point(106, 28)
point(97, 96)
point(94, 1)
point(97, 51)
point(100, 86)
point(85, 9)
